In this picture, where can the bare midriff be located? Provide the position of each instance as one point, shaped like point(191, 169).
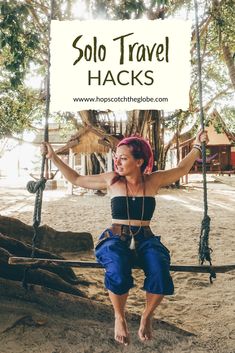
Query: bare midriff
point(132, 222)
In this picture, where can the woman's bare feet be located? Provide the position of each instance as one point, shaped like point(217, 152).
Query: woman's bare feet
point(121, 333)
point(145, 329)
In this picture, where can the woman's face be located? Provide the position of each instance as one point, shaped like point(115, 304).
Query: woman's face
point(124, 161)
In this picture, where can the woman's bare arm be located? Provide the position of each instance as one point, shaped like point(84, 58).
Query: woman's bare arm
point(167, 177)
point(95, 182)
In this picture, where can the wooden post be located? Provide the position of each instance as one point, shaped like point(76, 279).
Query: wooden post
point(83, 164)
point(120, 125)
point(109, 161)
point(71, 164)
point(184, 179)
point(115, 125)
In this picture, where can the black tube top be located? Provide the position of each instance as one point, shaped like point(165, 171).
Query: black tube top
point(119, 207)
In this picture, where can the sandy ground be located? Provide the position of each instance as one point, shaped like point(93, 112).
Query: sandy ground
point(197, 306)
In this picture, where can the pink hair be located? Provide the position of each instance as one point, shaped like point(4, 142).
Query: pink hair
point(140, 149)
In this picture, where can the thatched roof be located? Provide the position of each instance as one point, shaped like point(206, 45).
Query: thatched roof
point(216, 117)
point(56, 136)
point(90, 139)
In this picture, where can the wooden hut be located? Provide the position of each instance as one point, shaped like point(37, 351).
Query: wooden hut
point(86, 142)
point(220, 149)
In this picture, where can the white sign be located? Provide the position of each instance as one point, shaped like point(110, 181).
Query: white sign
point(120, 65)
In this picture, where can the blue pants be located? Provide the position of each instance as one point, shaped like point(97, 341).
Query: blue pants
point(117, 259)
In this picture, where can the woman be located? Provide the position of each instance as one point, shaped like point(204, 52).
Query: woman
point(130, 241)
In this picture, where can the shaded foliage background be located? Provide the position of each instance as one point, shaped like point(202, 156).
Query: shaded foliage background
point(24, 43)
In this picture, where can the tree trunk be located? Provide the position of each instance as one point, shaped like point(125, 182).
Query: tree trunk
point(89, 117)
point(95, 164)
point(48, 238)
point(228, 58)
point(52, 276)
point(132, 122)
point(157, 138)
point(177, 183)
point(101, 161)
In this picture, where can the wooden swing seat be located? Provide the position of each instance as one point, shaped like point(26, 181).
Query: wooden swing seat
point(28, 261)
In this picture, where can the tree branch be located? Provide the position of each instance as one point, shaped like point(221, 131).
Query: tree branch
point(34, 15)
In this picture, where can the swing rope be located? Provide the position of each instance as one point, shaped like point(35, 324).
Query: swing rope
point(37, 187)
point(204, 249)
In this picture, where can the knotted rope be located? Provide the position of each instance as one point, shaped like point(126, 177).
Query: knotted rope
point(204, 249)
point(37, 187)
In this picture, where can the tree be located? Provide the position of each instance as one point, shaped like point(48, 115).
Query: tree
point(223, 13)
point(24, 40)
point(17, 110)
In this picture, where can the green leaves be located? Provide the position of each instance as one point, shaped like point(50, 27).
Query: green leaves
point(24, 40)
point(17, 109)
point(17, 40)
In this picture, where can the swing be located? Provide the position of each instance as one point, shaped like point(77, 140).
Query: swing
point(38, 187)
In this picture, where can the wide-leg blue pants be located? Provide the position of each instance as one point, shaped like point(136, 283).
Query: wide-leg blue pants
point(118, 260)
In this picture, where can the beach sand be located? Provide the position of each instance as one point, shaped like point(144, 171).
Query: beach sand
point(207, 310)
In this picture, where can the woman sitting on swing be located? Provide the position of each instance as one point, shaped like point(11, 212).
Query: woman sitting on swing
point(129, 240)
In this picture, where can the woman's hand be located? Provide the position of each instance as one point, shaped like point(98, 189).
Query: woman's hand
point(47, 150)
point(201, 137)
